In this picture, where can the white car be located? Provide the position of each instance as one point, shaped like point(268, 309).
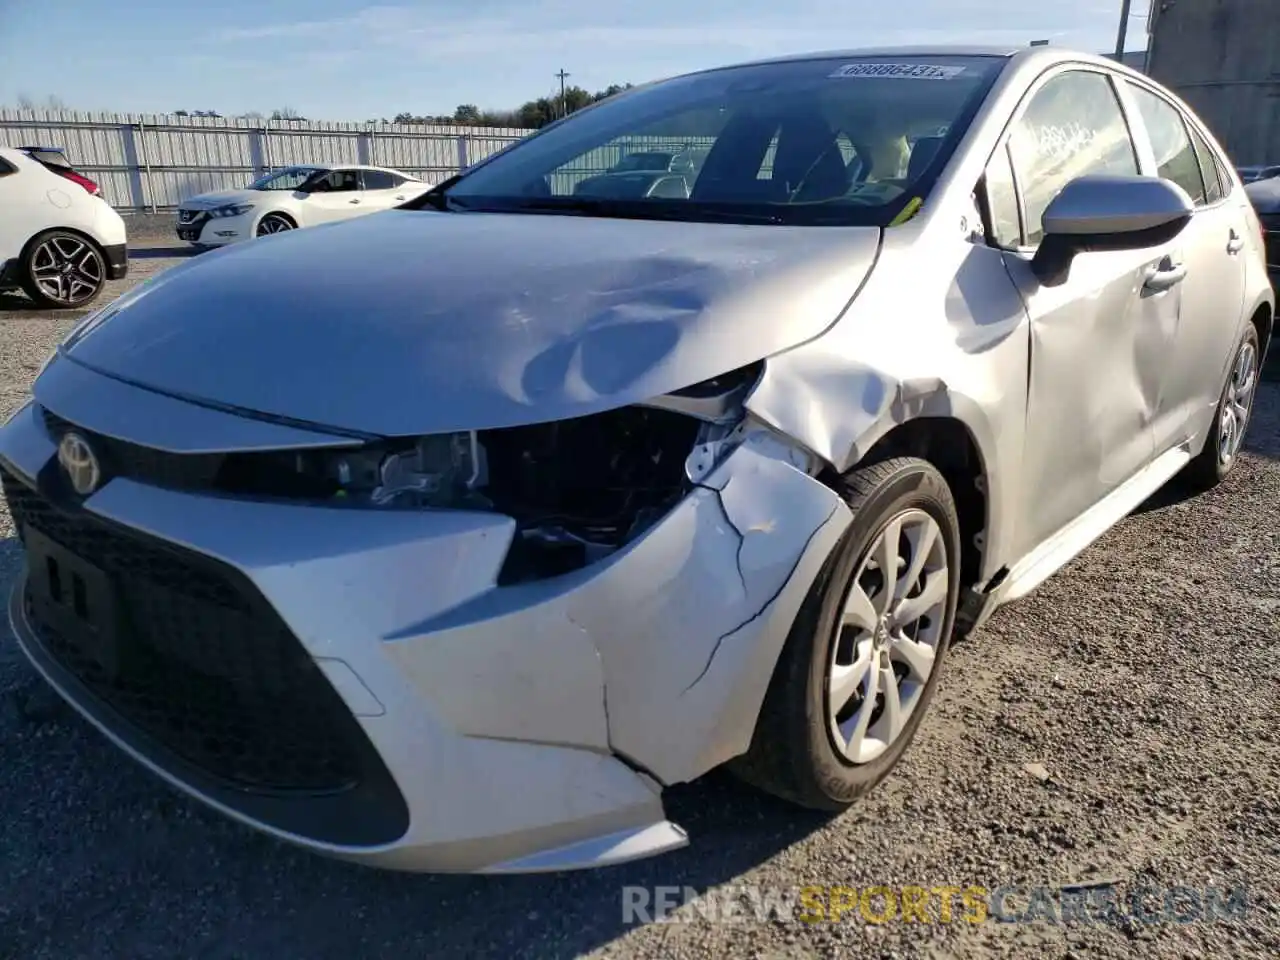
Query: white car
point(302, 196)
point(60, 241)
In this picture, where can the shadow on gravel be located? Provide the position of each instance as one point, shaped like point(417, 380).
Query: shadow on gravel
point(163, 253)
point(12, 300)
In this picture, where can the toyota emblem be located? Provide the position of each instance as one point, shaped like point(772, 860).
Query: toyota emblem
point(80, 463)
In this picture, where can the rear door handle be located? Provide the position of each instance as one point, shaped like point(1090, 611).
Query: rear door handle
point(357, 200)
point(1164, 276)
point(399, 198)
point(1235, 244)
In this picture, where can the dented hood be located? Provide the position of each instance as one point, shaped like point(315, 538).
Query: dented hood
point(414, 322)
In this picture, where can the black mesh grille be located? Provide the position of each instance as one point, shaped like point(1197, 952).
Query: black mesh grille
point(204, 666)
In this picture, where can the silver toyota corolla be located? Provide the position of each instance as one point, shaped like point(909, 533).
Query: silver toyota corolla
point(447, 538)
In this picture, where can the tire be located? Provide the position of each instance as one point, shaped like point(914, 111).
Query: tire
point(274, 223)
point(62, 270)
point(1231, 419)
point(793, 752)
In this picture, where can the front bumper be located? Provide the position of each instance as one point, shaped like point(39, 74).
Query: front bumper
point(117, 261)
point(499, 715)
point(210, 231)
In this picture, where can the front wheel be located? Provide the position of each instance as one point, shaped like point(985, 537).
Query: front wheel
point(863, 658)
point(63, 270)
point(1235, 404)
point(274, 223)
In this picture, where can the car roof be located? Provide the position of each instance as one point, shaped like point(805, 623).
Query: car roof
point(1043, 54)
point(911, 50)
point(353, 166)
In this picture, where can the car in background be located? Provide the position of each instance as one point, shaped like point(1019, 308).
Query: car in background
point(1264, 194)
point(300, 196)
point(60, 241)
point(637, 185)
point(660, 161)
point(648, 174)
point(526, 505)
point(1252, 174)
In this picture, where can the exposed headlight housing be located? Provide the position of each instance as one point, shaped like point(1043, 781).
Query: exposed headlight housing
point(231, 210)
point(444, 470)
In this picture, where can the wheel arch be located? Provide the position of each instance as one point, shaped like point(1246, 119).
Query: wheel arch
point(275, 212)
point(865, 412)
point(951, 446)
point(77, 231)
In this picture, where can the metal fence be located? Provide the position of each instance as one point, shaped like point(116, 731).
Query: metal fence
point(153, 162)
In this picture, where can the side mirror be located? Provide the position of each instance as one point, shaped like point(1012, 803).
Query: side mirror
point(1102, 213)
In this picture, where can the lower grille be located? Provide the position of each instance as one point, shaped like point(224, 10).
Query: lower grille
point(204, 667)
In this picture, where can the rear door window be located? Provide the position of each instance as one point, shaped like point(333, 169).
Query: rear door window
point(1176, 158)
point(1214, 188)
point(379, 180)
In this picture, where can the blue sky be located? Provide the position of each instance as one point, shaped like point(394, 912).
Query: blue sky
point(348, 61)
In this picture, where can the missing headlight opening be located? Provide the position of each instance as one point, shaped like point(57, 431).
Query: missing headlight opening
point(580, 489)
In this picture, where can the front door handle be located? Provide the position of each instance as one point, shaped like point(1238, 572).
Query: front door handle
point(1235, 244)
point(356, 200)
point(1164, 276)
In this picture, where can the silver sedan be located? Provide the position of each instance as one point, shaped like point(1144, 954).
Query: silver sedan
point(453, 554)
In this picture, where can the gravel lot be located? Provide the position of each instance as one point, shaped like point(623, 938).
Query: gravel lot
point(1142, 680)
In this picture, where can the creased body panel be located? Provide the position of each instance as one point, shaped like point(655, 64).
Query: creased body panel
point(686, 623)
point(939, 331)
point(420, 322)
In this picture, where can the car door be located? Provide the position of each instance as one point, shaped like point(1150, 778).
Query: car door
point(1098, 341)
point(1209, 250)
point(335, 196)
point(384, 189)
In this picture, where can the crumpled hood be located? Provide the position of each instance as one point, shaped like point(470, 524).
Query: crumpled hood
point(218, 198)
point(411, 322)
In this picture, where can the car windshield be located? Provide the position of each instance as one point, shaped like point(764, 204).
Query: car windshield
point(844, 141)
point(288, 179)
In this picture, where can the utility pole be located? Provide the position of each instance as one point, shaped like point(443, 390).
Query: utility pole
point(1125, 7)
point(562, 75)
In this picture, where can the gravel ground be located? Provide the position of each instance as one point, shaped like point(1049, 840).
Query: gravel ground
point(1120, 723)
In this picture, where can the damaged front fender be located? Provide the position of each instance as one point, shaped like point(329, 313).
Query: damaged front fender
point(662, 651)
point(686, 668)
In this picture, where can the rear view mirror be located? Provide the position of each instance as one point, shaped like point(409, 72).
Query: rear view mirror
point(1100, 213)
